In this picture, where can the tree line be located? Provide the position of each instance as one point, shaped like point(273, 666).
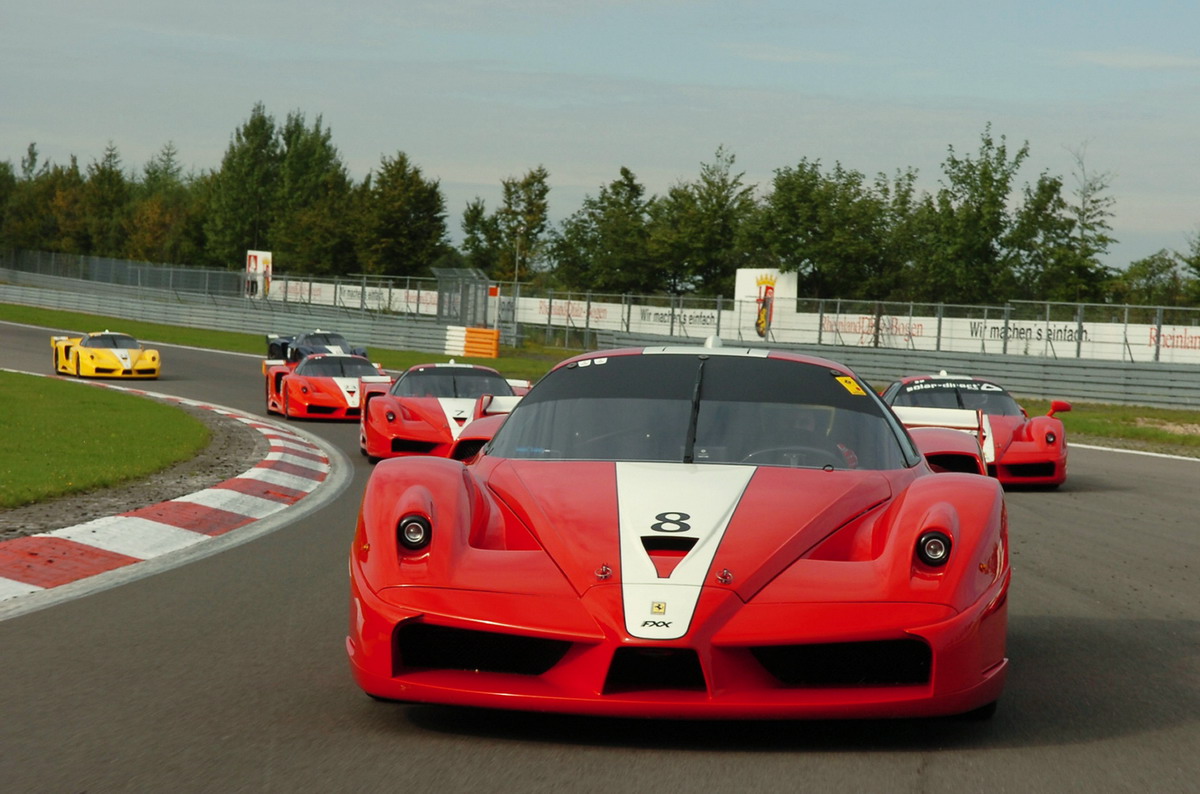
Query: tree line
point(979, 238)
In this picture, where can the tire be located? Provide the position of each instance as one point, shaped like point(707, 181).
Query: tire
point(287, 406)
point(362, 448)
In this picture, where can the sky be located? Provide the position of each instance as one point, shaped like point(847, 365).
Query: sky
point(477, 91)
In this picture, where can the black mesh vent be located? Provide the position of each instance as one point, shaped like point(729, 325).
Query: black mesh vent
point(641, 669)
point(421, 645)
point(848, 664)
point(465, 450)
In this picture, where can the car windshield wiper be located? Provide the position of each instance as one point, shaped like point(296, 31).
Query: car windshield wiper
point(689, 447)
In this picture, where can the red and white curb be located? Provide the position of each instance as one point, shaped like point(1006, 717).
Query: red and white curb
point(292, 469)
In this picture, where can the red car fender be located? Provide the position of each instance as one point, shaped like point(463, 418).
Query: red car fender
point(439, 489)
point(424, 411)
point(274, 372)
point(978, 529)
point(886, 541)
point(1035, 430)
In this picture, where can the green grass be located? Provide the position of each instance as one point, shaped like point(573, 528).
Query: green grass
point(60, 437)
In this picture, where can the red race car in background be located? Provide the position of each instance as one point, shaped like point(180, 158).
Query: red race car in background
point(1019, 449)
point(320, 386)
point(687, 532)
point(427, 410)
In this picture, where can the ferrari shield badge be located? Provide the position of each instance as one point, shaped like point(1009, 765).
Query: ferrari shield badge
point(658, 607)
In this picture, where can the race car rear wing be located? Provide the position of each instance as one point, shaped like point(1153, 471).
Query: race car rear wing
point(974, 422)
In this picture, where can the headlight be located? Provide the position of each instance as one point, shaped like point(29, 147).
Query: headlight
point(933, 548)
point(390, 416)
point(1051, 438)
point(414, 532)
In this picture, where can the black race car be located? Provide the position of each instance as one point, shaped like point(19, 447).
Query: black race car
point(295, 347)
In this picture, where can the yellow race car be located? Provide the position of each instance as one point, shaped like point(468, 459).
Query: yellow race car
point(104, 354)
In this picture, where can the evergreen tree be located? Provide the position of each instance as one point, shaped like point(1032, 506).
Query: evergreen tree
point(603, 247)
point(311, 232)
point(106, 204)
point(403, 220)
point(481, 237)
point(521, 221)
point(243, 201)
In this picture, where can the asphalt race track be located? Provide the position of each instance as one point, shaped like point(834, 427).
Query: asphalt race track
point(229, 673)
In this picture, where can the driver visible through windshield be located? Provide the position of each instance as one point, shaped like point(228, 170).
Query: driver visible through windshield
point(704, 409)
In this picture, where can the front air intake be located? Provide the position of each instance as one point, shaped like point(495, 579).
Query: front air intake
point(428, 647)
point(645, 669)
point(848, 664)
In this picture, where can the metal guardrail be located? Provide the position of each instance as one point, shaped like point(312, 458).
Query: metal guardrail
point(1114, 382)
point(195, 310)
point(1125, 383)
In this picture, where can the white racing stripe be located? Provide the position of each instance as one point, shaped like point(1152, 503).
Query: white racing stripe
point(349, 387)
point(457, 409)
point(662, 501)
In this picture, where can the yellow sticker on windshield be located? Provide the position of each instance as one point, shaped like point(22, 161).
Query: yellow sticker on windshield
point(851, 385)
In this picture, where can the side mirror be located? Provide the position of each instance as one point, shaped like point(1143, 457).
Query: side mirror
point(1058, 407)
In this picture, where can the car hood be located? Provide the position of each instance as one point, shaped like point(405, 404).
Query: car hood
point(449, 413)
point(126, 357)
point(665, 530)
point(342, 390)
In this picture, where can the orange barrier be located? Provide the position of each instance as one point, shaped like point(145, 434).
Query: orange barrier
point(482, 343)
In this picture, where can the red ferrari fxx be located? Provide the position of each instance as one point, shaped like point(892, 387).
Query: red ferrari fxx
point(426, 410)
point(320, 386)
point(685, 532)
point(1019, 449)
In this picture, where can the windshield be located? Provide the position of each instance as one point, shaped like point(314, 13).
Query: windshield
point(976, 395)
point(325, 340)
point(447, 382)
point(336, 367)
point(704, 409)
point(115, 341)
